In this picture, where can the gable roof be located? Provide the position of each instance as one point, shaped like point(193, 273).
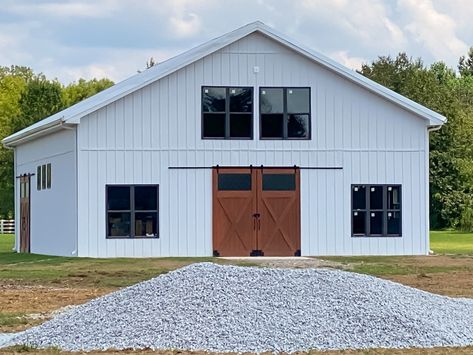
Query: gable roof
point(73, 114)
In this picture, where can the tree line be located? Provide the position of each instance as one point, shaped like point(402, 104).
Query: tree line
point(450, 93)
point(26, 97)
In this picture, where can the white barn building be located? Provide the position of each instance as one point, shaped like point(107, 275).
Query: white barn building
point(249, 144)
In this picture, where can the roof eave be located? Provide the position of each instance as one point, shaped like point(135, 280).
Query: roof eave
point(17, 139)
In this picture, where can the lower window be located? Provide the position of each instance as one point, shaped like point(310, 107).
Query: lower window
point(376, 211)
point(132, 211)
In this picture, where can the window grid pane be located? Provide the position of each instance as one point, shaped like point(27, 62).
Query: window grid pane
point(279, 182)
point(298, 100)
point(272, 100)
point(359, 223)
point(38, 178)
point(213, 99)
point(241, 100)
point(43, 177)
point(48, 176)
point(234, 182)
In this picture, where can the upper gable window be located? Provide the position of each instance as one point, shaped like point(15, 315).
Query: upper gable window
point(227, 112)
point(285, 113)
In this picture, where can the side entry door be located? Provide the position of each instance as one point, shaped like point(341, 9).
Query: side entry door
point(25, 192)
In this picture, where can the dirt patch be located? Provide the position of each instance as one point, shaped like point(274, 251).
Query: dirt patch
point(453, 284)
point(34, 304)
point(288, 262)
point(441, 260)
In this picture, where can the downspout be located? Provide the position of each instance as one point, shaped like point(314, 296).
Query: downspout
point(427, 174)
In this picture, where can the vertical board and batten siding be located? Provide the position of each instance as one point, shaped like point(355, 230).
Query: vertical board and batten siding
point(53, 228)
point(135, 139)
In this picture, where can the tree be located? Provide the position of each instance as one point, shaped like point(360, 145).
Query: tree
point(465, 64)
point(82, 89)
point(11, 89)
point(40, 99)
point(150, 63)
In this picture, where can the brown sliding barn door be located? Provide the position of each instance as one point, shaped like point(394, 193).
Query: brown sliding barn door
point(279, 209)
point(256, 212)
point(234, 203)
point(25, 214)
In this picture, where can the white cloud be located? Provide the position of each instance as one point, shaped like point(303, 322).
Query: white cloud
point(186, 26)
point(344, 58)
point(64, 9)
point(366, 20)
point(14, 43)
point(435, 30)
point(114, 64)
point(69, 39)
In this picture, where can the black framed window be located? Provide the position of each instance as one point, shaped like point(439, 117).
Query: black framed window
point(227, 112)
point(43, 177)
point(285, 113)
point(132, 211)
point(376, 211)
point(234, 182)
point(279, 182)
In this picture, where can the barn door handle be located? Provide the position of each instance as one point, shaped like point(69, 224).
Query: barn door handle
point(259, 224)
point(256, 219)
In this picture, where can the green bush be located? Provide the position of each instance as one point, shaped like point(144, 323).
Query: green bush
point(466, 220)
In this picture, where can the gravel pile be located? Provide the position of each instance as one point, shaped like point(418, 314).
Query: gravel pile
point(241, 309)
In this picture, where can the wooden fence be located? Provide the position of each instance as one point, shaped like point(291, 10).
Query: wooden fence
point(7, 226)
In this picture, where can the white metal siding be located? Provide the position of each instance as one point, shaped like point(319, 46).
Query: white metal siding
point(137, 138)
point(53, 211)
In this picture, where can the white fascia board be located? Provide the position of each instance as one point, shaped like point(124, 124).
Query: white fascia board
point(54, 126)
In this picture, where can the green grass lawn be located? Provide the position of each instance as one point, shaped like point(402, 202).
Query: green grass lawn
point(451, 242)
point(119, 272)
point(85, 272)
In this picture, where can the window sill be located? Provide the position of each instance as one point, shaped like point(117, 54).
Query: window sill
point(226, 139)
point(377, 236)
point(285, 139)
point(131, 238)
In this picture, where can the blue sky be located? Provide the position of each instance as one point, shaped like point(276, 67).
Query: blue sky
point(71, 39)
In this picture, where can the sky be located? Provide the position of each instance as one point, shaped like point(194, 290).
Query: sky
point(72, 39)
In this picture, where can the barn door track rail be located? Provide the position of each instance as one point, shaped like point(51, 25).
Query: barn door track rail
point(25, 175)
point(256, 167)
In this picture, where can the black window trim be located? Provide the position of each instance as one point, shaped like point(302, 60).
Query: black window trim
point(43, 177)
point(132, 211)
point(286, 114)
point(384, 210)
point(227, 112)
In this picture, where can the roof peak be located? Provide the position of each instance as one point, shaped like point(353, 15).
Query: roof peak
point(73, 114)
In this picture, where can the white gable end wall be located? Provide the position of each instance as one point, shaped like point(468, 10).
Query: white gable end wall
point(53, 211)
point(137, 138)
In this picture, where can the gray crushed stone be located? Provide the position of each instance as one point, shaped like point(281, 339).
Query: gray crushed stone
point(246, 309)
